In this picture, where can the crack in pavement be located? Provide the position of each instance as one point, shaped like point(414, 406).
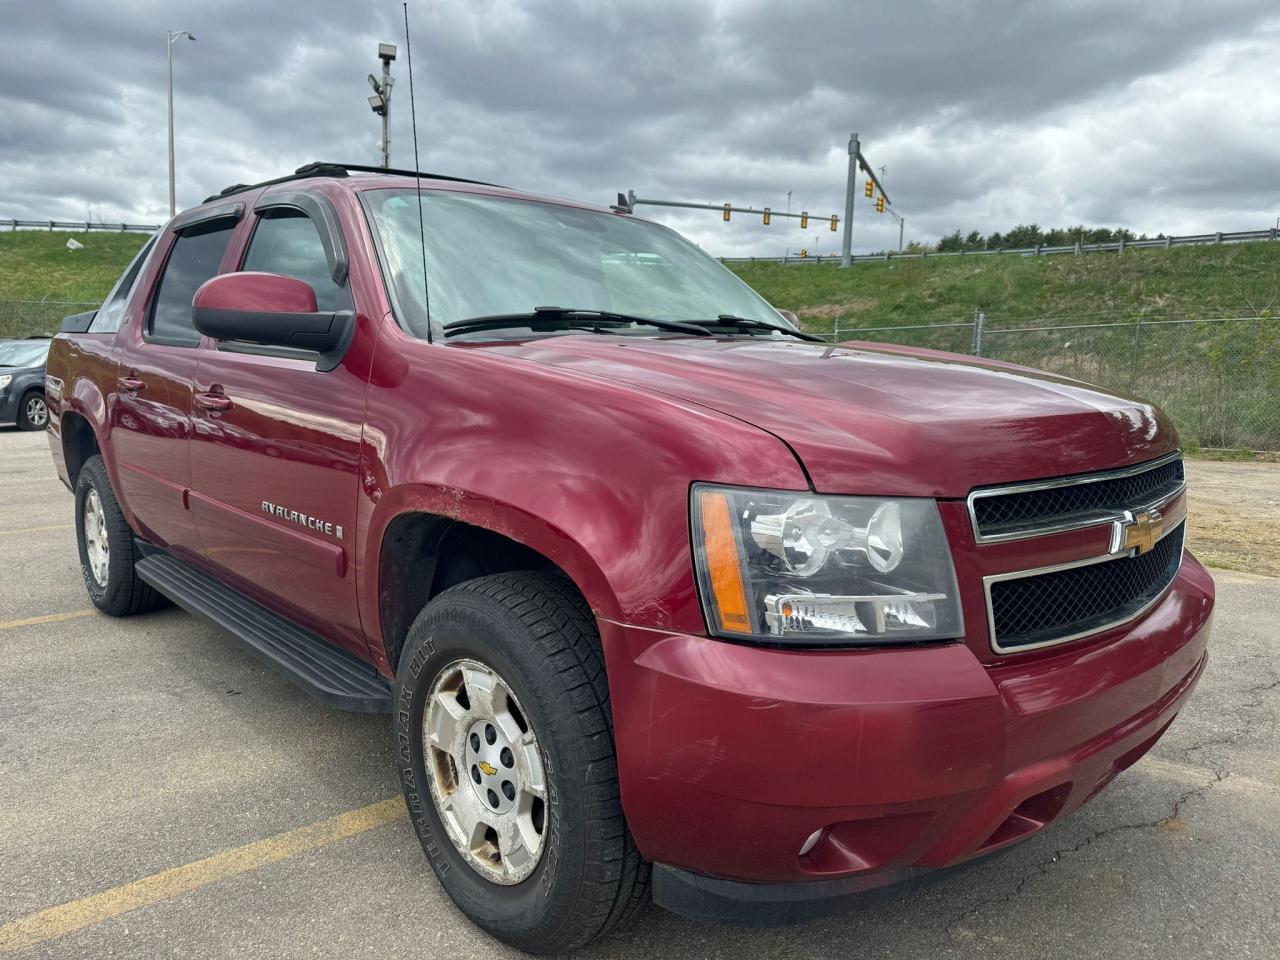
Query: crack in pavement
point(959, 935)
point(1254, 698)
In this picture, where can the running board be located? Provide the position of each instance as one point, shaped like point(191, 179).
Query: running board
point(327, 672)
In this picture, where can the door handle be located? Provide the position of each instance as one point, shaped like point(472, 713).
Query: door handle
point(213, 401)
point(130, 384)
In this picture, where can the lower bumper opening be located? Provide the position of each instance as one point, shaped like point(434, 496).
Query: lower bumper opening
point(1032, 814)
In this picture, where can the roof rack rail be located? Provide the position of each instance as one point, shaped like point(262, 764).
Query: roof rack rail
point(322, 169)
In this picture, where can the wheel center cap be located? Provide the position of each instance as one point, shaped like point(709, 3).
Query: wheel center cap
point(490, 766)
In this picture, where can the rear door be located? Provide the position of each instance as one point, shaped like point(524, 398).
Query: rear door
point(150, 412)
point(275, 450)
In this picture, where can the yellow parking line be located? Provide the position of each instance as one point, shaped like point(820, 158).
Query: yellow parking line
point(47, 618)
point(78, 914)
point(56, 526)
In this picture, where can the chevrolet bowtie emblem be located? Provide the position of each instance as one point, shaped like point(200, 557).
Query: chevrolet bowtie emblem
point(1141, 533)
point(488, 768)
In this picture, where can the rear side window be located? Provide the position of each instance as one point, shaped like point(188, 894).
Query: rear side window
point(287, 242)
point(194, 259)
point(111, 314)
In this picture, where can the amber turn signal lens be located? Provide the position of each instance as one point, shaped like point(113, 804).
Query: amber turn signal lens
point(723, 565)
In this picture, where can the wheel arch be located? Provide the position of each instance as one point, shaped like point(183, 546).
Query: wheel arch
point(79, 442)
point(439, 537)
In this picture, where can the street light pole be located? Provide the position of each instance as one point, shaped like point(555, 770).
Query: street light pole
point(173, 35)
point(380, 102)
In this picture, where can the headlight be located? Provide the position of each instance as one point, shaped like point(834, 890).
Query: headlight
point(787, 567)
point(5, 379)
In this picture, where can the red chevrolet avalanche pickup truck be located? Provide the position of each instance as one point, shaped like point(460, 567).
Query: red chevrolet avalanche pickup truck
point(663, 597)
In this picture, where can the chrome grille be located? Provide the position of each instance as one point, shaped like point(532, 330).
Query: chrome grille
point(1038, 608)
point(1068, 503)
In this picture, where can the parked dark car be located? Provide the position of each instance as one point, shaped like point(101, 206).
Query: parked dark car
point(22, 382)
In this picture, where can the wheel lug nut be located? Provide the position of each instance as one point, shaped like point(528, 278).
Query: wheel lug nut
point(508, 790)
point(493, 799)
point(508, 760)
point(475, 742)
point(490, 735)
point(475, 773)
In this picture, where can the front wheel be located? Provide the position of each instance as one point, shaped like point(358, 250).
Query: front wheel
point(33, 411)
point(504, 745)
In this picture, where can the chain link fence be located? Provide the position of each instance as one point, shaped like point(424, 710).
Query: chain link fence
point(29, 318)
point(1219, 379)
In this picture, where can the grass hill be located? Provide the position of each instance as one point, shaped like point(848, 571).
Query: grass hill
point(35, 265)
point(1191, 282)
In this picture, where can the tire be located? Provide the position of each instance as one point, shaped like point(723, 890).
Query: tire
point(33, 412)
point(114, 586)
point(536, 635)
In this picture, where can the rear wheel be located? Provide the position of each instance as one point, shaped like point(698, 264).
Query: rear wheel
point(33, 412)
point(107, 552)
point(504, 745)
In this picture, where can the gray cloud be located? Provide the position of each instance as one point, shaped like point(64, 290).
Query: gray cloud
point(1157, 115)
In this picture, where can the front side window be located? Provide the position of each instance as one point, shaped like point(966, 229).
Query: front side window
point(195, 257)
point(287, 242)
point(111, 314)
point(497, 255)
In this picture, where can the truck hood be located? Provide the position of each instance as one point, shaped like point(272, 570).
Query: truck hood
point(871, 419)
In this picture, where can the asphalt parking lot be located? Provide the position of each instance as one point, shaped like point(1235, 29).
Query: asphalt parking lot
point(161, 794)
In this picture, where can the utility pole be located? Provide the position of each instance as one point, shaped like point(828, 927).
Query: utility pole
point(380, 102)
point(846, 249)
point(173, 35)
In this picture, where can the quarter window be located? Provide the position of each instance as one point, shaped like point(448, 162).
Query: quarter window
point(195, 258)
point(287, 242)
point(111, 314)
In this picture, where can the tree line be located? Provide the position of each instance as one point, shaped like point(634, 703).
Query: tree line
point(1031, 234)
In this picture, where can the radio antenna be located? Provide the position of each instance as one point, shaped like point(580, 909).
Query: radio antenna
point(417, 174)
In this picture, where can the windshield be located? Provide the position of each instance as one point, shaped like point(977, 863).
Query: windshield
point(23, 353)
point(495, 255)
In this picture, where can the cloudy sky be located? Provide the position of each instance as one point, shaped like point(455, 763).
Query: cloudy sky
point(1160, 115)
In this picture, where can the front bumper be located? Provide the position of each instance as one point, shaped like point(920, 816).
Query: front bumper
point(730, 756)
point(8, 406)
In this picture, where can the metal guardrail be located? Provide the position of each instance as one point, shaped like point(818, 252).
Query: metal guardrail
point(81, 226)
point(1160, 243)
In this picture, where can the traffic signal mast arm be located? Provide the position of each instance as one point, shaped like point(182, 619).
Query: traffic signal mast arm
point(630, 201)
point(866, 168)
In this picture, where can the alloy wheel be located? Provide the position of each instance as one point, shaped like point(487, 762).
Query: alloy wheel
point(486, 772)
point(96, 541)
point(37, 411)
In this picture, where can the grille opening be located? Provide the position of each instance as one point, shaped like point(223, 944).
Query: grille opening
point(1044, 608)
point(1073, 499)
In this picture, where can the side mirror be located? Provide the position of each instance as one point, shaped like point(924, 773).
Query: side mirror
point(271, 310)
point(790, 317)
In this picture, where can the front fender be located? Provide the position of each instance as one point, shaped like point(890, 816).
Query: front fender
point(592, 474)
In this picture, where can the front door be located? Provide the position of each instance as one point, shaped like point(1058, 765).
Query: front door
point(150, 407)
point(275, 450)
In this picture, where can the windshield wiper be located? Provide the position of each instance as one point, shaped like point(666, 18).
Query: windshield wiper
point(567, 318)
point(729, 320)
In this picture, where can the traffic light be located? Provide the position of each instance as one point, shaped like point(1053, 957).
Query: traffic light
point(766, 216)
point(869, 190)
point(834, 223)
point(880, 204)
point(804, 221)
point(726, 213)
